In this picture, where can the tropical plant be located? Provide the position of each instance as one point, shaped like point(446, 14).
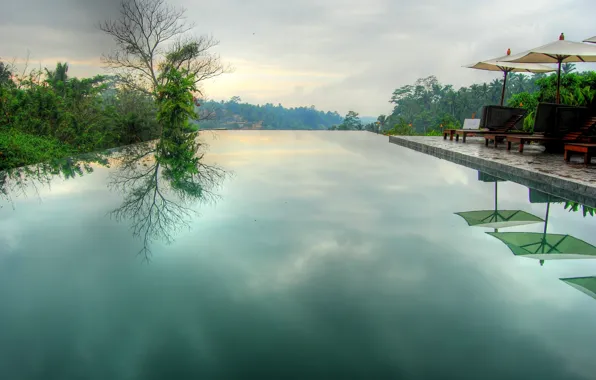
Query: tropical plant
point(575, 207)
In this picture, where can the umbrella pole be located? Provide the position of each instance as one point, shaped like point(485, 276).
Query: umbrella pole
point(496, 196)
point(558, 101)
point(504, 86)
point(496, 209)
point(546, 217)
point(545, 225)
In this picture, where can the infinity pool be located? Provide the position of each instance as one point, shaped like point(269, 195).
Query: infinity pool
point(304, 255)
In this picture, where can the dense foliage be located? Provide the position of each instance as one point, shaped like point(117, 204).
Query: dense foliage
point(427, 105)
point(47, 114)
point(351, 122)
point(234, 114)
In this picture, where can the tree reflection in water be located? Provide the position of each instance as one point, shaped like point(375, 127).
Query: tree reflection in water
point(161, 182)
point(19, 182)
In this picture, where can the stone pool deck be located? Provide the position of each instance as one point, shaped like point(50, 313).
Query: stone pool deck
point(534, 168)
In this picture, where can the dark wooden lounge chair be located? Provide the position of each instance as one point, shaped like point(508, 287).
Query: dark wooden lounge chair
point(506, 128)
point(554, 123)
point(578, 136)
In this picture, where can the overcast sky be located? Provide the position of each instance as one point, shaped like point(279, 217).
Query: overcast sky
point(335, 54)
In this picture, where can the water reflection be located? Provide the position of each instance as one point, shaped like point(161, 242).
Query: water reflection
point(544, 246)
point(497, 218)
point(161, 182)
point(20, 182)
point(536, 245)
point(356, 277)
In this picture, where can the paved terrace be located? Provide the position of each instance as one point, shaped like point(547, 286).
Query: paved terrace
point(534, 168)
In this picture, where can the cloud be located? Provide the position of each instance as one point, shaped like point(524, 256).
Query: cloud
point(337, 55)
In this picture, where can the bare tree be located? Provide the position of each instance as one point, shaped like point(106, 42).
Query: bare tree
point(152, 35)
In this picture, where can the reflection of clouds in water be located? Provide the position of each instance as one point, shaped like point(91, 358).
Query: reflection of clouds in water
point(296, 267)
point(453, 174)
point(348, 273)
point(7, 245)
point(325, 171)
point(324, 250)
point(393, 188)
point(345, 207)
point(35, 191)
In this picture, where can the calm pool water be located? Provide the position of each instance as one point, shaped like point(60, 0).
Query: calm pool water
point(330, 255)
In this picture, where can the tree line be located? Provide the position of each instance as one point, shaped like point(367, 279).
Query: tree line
point(428, 106)
point(235, 114)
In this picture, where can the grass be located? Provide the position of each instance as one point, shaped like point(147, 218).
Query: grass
point(20, 149)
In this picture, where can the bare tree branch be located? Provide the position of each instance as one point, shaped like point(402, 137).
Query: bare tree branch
point(151, 35)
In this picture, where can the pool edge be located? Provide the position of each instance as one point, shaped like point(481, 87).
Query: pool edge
point(554, 185)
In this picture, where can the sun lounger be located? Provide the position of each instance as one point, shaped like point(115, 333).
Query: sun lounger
point(449, 132)
point(496, 138)
point(554, 123)
point(578, 136)
point(507, 126)
point(522, 140)
point(469, 124)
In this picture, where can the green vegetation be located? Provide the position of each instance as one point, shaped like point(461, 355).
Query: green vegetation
point(427, 106)
point(18, 148)
point(45, 114)
point(575, 207)
point(351, 122)
point(234, 114)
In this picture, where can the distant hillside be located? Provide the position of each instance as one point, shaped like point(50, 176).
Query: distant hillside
point(236, 115)
point(368, 119)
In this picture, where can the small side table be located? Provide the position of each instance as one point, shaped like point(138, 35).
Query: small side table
point(587, 150)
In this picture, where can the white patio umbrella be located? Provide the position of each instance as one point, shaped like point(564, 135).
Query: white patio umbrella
point(496, 64)
point(591, 40)
point(558, 52)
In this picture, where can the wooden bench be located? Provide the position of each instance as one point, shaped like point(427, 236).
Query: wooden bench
point(508, 126)
point(499, 137)
point(495, 137)
point(449, 132)
point(526, 139)
point(471, 132)
point(587, 150)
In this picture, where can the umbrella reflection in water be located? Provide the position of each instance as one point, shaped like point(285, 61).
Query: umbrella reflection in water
point(585, 285)
point(497, 218)
point(542, 245)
